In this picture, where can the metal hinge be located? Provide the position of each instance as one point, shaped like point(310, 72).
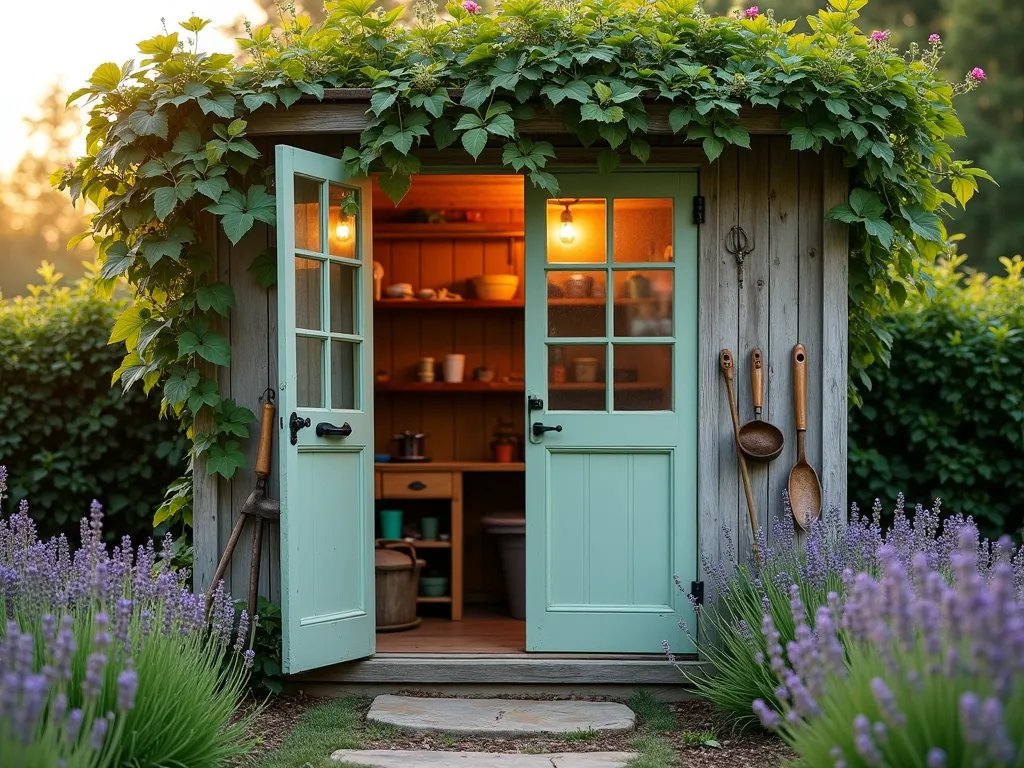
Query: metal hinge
point(697, 592)
point(698, 209)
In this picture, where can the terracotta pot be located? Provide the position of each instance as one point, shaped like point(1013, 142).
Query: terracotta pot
point(504, 453)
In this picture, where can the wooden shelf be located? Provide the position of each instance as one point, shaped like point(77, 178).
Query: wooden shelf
point(621, 386)
point(446, 231)
point(450, 466)
point(446, 599)
point(600, 302)
point(446, 386)
point(444, 304)
point(431, 544)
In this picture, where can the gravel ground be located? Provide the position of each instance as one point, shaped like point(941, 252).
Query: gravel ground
point(750, 750)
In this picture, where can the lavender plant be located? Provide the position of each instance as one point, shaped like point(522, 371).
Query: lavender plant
point(922, 665)
point(107, 658)
point(730, 622)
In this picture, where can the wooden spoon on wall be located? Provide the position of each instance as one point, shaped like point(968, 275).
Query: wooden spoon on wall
point(804, 486)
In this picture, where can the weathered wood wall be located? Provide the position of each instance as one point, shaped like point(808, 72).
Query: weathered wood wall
point(794, 290)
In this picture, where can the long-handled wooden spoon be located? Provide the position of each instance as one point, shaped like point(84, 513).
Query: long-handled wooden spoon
point(804, 486)
point(727, 364)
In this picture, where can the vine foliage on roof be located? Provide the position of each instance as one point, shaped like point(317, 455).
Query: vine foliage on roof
point(167, 141)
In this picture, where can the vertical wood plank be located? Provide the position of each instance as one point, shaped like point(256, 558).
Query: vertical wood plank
point(728, 496)
point(783, 328)
point(835, 271)
point(811, 291)
point(227, 512)
point(754, 311)
point(205, 511)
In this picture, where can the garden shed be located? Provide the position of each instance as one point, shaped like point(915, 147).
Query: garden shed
point(624, 289)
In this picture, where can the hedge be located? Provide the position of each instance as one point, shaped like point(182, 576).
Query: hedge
point(946, 418)
point(67, 436)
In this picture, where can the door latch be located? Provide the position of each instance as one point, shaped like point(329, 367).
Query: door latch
point(534, 403)
point(295, 424)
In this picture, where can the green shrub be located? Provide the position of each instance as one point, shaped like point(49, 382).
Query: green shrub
point(67, 436)
point(946, 419)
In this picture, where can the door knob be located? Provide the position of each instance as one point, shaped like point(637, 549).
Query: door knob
point(539, 429)
point(326, 429)
point(295, 423)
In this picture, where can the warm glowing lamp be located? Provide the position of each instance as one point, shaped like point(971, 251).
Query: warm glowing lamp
point(567, 233)
point(343, 231)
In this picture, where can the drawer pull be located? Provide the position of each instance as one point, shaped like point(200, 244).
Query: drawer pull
point(417, 485)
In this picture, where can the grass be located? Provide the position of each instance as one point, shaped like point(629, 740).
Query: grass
point(322, 730)
point(339, 724)
point(698, 738)
point(584, 734)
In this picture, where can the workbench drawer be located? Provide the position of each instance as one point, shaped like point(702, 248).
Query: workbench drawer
point(416, 485)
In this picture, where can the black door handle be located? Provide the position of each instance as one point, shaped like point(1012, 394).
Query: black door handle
point(539, 429)
point(326, 429)
point(295, 423)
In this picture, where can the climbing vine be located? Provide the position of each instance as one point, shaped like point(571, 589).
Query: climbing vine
point(167, 143)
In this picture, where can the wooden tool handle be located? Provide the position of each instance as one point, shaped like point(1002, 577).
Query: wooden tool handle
point(800, 386)
point(726, 363)
point(266, 441)
point(757, 379)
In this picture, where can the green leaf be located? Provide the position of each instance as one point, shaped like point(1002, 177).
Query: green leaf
point(203, 393)
point(801, 137)
point(713, 147)
point(117, 260)
point(213, 187)
point(165, 200)
point(221, 105)
point(149, 123)
point(601, 114)
point(614, 134)
point(640, 149)
point(381, 100)
point(152, 169)
point(608, 160)
point(106, 77)
point(264, 268)
point(468, 121)
point(576, 90)
point(444, 134)
point(129, 324)
point(898, 292)
point(502, 125)
point(545, 181)
point(474, 141)
point(923, 223)
point(219, 297)
point(734, 134)
point(395, 185)
point(180, 385)
point(225, 461)
point(880, 229)
point(236, 127)
point(867, 204)
point(679, 118)
point(289, 96)
point(236, 225)
point(254, 101)
point(475, 93)
point(207, 344)
point(838, 107)
point(187, 142)
point(232, 419)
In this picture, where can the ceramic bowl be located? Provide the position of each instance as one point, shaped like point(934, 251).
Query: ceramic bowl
point(399, 290)
point(433, 586)
point(496, 287)
point(426, 294)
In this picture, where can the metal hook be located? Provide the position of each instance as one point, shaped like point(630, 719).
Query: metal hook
point(267, 396)
point(739, 246)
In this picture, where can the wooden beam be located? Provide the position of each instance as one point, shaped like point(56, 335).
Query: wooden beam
point(509, 669)
point(344, 110)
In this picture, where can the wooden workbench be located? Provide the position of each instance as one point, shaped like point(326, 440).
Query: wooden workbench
point(437, 480)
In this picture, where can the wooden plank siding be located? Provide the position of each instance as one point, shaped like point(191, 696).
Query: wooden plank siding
point(794, 289)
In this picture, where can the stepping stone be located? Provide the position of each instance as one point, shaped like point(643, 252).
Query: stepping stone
point(401, 758)
point(499, 717)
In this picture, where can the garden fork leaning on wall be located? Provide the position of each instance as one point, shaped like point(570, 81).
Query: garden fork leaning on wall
point(258, 506)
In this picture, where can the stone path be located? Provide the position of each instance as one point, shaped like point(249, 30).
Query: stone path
point(499, 717)
point(383, 758)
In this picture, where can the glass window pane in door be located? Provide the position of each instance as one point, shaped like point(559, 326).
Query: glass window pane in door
point(642, 377)
point(309, 370)
point(343, 297)
point(341, 221)
point(642, 229)
point(643, 302)
point(308, 293)
point(576, 303)
point(344, 378)
point(577, 231)
point(576, 377)
point(307, 213)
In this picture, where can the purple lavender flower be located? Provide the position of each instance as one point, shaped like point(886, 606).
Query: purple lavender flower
point(127, 685)
point(769, 717)
point(864, 743)
point(73, 725)
point(93, 683)
point(99, 733)
point(936, 757)
point(887, 702)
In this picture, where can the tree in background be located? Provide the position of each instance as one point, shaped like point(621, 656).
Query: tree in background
point(987, 33)
point(36, 221)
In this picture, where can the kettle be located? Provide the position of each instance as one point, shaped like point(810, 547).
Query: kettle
point(410, 446)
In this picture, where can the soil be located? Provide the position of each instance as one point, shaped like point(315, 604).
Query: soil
point(755, 749)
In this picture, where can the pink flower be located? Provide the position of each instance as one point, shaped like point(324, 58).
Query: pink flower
point(934, 39)
point(879, 35)
point(470, 7)
point(752, 12)
point(977, 74)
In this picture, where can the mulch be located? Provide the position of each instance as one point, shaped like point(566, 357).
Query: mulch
point(754, 749)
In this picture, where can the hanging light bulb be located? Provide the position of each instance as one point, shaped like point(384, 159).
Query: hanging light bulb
point(343, 231)
point(567, 233)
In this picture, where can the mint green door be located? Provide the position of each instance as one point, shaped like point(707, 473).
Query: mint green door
point(325, 401)
point(611, 345)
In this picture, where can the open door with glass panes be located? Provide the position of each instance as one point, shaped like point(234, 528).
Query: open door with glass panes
point(611, 380)
point(326, 404)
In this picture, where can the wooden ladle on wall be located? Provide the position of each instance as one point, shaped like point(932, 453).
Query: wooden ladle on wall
point(760, 441)
point(804, 486)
